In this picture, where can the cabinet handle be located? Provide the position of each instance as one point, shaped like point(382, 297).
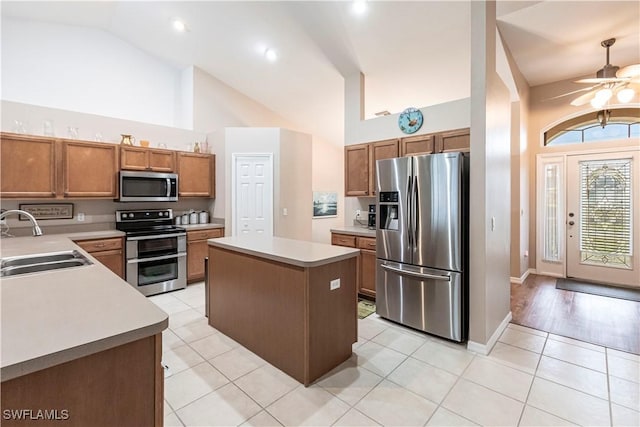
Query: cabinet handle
point(100, 245)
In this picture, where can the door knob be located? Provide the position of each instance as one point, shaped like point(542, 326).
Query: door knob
point(571, 222)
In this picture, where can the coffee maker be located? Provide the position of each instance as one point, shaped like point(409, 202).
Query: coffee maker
point(372, 217)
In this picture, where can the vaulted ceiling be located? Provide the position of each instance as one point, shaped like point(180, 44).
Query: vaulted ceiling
point(413, 53)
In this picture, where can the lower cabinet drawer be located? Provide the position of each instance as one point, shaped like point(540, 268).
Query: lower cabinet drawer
point(100, 244)
point(204, 234)
point(343, 240)
point(367, 243)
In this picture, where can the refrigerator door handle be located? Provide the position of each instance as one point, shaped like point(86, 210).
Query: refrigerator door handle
point(410, 212)
point(416, 274)
point(416, 211)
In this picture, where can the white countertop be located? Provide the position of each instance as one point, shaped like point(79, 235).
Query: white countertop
point(90, 235)
point(356, 231)
point(295, 252)
point(53, 317)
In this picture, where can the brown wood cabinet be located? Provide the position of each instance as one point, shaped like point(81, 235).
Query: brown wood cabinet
point(357, 170)
point(360, 165)
point(366, 277)
point(417, 145)
point(108, 251)
point(455, 140)
point(196, 175)
point(120, 386)
point(197, 251)
point(147, 159)
point(380, 150)
point(90, 169)
point(28, 167)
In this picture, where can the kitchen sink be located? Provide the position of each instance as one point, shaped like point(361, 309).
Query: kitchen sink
point(13, 266)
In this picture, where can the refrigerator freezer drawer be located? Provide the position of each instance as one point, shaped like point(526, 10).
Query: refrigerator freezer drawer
point(421, 298)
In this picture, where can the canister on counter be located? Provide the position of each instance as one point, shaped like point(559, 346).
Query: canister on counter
point(203, 217)
point(193, 217)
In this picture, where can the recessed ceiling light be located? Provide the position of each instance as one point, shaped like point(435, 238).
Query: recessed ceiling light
point(270, 54)
point(179, 25)
point(359, 7)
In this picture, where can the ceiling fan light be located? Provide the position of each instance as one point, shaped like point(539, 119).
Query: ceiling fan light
point(604, 95)
point(598, 103)
point(626, 95)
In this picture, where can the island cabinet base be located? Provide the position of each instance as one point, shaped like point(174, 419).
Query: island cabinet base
point(122, 386)
point(286, 314)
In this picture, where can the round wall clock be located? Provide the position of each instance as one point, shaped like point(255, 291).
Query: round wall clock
point(410, 120)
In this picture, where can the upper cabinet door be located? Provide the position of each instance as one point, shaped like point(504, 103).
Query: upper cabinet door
point(381, 150)
point(90, 169)
point(145, 159)
point(455, 140)
point(417, 145)
point(196, 175)
point(357, 171)
point(28, 167)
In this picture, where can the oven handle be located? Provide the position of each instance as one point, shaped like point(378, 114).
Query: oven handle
point(157, 258)
point(157, 236)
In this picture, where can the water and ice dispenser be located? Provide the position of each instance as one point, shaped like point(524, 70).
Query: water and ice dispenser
point(388, 210)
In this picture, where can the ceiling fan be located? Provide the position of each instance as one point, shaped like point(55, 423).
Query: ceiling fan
point(610, 80)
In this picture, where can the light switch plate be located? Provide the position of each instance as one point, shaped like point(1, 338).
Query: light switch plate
point(334, 284)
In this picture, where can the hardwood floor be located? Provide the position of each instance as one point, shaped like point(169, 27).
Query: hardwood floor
point(595, 319)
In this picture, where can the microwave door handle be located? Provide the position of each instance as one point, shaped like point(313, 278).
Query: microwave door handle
point(168, 187)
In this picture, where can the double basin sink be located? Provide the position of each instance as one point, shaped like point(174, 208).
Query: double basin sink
point(12, 266)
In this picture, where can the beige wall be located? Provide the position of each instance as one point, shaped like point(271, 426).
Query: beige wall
point(489, 288)
point(218, 106)
point(520, 171)
point(543, 114)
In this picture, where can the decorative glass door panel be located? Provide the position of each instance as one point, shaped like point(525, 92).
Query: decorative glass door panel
point(602, 230)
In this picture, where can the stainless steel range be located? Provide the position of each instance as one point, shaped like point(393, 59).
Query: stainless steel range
point(156, 250)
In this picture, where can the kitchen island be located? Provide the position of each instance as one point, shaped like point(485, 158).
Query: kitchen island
point(80, 346)
point(291, 302)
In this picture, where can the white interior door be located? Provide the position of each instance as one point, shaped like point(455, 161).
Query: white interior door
point(253, 195)
point(602, 217)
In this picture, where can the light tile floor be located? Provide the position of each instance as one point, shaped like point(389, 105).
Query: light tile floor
point(396, 376)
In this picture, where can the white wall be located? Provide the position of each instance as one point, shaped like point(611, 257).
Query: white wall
point(489, 287)
point(86, 70)
point(92, 80)
point(437, 118)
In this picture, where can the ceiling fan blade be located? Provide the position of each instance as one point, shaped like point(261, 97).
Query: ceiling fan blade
point(571, 93)
point(582, 99)
point(603, 80)
point(630, 71)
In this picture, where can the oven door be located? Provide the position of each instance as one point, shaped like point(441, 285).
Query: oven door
point(158, 274)
point(157, 263)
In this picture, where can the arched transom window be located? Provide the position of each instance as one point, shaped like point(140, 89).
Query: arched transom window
point(621, 123)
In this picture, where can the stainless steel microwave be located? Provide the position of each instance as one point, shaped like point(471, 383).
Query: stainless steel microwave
point(148, 187)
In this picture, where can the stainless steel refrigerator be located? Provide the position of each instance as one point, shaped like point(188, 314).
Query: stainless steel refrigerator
point(422, 243)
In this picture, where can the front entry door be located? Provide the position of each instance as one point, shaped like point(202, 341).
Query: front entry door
point(603, 230)
point(253, 195)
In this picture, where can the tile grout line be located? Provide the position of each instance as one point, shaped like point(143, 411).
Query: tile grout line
point(606, 366)
point(535, 375)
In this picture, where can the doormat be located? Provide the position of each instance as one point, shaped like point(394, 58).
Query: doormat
point(365, 308)
point(598, 289)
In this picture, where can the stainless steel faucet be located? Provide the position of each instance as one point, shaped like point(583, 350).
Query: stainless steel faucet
point(36, 228)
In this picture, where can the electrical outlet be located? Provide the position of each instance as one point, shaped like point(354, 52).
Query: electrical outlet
point(526, 253)
point(80, 216)
point(285, 212)
point(334, 284)
point(358, 213)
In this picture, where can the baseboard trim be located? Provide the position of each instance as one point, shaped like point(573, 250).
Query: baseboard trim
point(485, 349)
point(520, 280)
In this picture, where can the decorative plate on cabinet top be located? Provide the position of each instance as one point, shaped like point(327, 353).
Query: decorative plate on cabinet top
point(410, 120)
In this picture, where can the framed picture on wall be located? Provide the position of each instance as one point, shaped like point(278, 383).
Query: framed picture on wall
point(325, 204)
